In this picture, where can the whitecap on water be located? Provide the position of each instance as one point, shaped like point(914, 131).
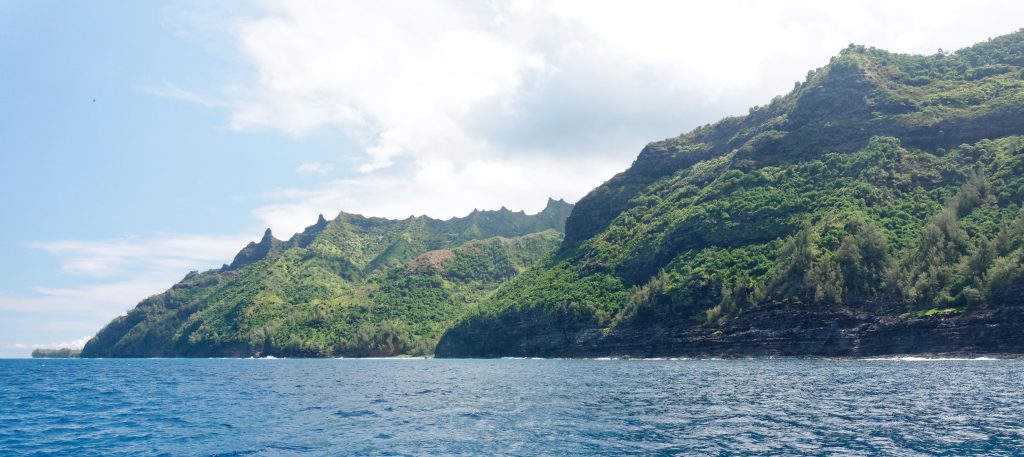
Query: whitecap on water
point(929, 359)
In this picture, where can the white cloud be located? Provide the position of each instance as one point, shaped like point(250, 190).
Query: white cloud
point(107, 299)
point(580, 86)
point(438, 188)
point(78, 343)
point(106, 279)
point(161, 252)
point(174, 92)
point(119, 273)
point(314, 168)
point(412, 79)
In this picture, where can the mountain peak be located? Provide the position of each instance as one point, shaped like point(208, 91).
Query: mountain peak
point(268, 246)
point(552, 203)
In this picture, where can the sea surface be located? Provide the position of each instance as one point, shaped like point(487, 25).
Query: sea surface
point(511, 407)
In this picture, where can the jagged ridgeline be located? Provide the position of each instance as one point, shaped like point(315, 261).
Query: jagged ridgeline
point(873, 209)
point(353, 286)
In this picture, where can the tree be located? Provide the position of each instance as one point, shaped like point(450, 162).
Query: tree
point(1005, 281)
point(981, 260)
point(863, 258)
point(825, 280)
point(736, 296)
point(972, 194)
point(806, 274)
point(797, 259)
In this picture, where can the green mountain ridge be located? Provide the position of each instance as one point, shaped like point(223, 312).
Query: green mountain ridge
point(873, 209)
point(353, 286)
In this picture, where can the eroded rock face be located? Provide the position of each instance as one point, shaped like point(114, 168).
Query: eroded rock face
point(430, 262)
point(844, 333)
point(779, 332)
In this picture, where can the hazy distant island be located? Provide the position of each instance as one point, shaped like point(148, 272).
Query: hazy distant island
point(874, 209)
point(62, 353)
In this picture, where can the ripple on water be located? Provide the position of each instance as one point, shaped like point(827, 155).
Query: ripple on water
point(581, 407)
point(359, 413)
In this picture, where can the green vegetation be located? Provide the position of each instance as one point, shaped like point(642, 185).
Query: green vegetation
point(935, 312)
point(884, 185)
point(885, 182)
point(353, 286)
point(62, 353)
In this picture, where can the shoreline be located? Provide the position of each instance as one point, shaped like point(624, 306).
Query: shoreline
point(964, 357)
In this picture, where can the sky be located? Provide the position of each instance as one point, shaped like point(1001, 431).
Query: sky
point(142, 140)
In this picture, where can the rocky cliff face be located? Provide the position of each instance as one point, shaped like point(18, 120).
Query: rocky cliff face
point(834, 333)
point(778, 332)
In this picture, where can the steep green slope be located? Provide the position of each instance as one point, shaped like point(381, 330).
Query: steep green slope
point(353, 286)
point(885, 186)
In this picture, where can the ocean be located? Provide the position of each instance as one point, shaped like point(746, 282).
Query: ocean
point(231, 407)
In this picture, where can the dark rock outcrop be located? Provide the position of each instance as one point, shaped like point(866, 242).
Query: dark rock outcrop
point(779, 332)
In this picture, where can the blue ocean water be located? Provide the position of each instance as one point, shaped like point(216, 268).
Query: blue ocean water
point(510, 407)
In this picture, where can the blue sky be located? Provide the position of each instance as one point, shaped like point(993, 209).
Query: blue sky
point(91, 154)
point(141, 140)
